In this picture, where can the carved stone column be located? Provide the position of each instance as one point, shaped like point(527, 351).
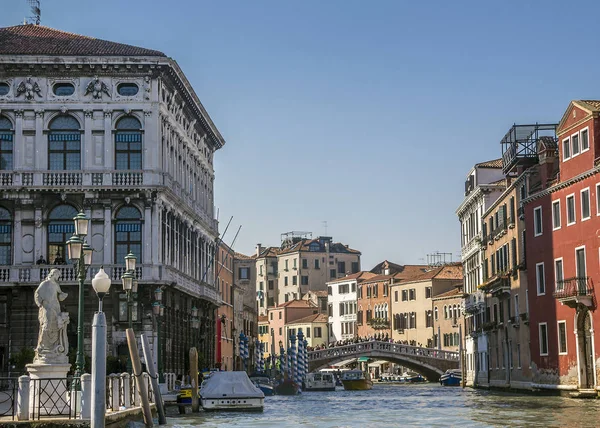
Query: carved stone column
point(149, 228)
point(151, 146)
point(87, 144)
point(108, 241)
point(109, 162)
point(41, 146)
point(18, 155)
point(18, 237)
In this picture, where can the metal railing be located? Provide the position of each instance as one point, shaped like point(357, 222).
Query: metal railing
point(574, 287)
point(53, 397)
point(8, 396)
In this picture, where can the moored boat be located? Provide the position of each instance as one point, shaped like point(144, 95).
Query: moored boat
point(231, 391)
point(356, 380)
point(287, 387)
point(319, 382)
point(263, 383)
point(452, 377)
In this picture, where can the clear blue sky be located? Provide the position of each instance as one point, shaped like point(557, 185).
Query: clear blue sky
point(364, 114)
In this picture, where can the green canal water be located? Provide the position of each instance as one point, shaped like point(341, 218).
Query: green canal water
point(428, 405)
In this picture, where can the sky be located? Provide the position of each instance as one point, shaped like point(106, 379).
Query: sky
point(366, 115)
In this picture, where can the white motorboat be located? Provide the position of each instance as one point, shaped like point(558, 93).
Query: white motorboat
point(319, 382)
point(231, 391)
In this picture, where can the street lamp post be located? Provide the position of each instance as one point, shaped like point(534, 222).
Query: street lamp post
point(101, 284)
point(130, 286)
point(80, 253)
point(158, 310)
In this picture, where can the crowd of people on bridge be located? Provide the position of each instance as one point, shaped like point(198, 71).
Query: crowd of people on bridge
point(378, 337)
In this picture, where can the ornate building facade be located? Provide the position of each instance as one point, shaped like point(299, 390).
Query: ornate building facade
point(117, 132)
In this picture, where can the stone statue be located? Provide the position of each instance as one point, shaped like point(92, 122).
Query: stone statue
point(52, 344)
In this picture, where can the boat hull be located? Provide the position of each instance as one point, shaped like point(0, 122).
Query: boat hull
point(319, 389)
point(450, 380)
point(357, 384)
point(266, 389)
point(244, 404)
point(287, 387)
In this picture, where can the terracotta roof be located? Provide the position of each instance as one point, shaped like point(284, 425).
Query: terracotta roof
point(241, 256)
point(304, 245)
point(378, 278)
point(297, 304)
point(263, 318)
point(319, 293)
point(449, 271)
point(393, 267)
point(455, 292)
point(269, 252)
point(359, 276)
point(322, 318)
point(39, 40)
point(494, 163)
point(410, 271)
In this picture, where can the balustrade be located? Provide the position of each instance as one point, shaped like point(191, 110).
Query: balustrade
point(6, 179)
point(62, 178)
point(127, 178)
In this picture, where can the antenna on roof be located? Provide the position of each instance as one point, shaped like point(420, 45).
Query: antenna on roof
point(36, 12)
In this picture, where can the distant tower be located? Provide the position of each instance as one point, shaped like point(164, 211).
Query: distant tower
point(36, 12)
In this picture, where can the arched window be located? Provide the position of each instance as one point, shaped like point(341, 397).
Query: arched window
point(435, 313)
point(445, 312)
point(64, 144)
point(6, 144)
point(385, 311)
point(60, 229)
point(128, 144)
point(5, 237)
point(128, 233)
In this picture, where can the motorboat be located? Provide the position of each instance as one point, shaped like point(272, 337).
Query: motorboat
point(319, 382)
point(452, 377)
point(263, 383)
point(287, 387)
point(356, 380)
point(231, 390)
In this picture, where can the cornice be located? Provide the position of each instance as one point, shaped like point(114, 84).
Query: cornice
point(562, 185)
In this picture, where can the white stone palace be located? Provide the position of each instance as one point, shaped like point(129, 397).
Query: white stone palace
point(118, 132)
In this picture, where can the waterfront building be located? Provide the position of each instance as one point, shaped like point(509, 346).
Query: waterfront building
point(483, 185)
point(286, 313)
point(314, 328)
point(264, 335)
point(505, 270)
point(562, 216)
point(412, 307)
point(225, 330)
point(448, 319)
point(318, 298)
point(244, 306)
point(307, 264)
point(342, 305)
point(266, 286)
point(115, 131)
point(374, 312)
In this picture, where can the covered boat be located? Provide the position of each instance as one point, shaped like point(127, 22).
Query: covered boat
point(231, 391)
point(452, 377)
point(263, 383)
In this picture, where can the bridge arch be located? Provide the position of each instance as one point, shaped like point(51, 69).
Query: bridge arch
point(431, 363)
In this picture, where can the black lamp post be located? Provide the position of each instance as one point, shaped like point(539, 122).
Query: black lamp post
point(128, 279)
point(158, 311)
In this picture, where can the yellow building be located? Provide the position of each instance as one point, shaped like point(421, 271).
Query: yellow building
point(314, 328)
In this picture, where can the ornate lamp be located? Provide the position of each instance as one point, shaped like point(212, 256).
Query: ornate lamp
point(158, 294)
point(127, 278)
point(130, 260)
point(74, 246)
point(134, 286)
point(194, 311)
point(82, 224)
point(156, 308)
point(87, 254)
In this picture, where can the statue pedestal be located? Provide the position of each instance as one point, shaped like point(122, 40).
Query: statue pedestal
point(49, 393)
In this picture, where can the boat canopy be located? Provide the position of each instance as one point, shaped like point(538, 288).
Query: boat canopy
point(229, 384)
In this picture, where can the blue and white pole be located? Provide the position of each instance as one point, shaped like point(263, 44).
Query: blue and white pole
point(305, 357)
point(294, 358)
point(262, 356)
point(256, 355)
point(246, 353)
point(281, 359)
point(300, 368)
point(242, 348)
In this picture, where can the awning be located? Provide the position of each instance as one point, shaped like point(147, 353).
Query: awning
point(363, 359)
point(343, 363)
point(378, 363)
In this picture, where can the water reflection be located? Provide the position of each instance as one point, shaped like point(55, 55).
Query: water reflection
point(407, 405)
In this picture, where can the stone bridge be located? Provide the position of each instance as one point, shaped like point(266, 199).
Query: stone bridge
point(431, 363)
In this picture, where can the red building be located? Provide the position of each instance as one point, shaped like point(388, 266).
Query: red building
point(562, 215)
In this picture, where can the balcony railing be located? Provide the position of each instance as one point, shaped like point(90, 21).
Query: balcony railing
point(576, 290)
point(379, 323)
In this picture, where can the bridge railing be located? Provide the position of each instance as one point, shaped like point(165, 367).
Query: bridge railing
point(354, 349)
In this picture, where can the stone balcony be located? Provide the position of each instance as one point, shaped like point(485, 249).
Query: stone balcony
point(152, 274)
point(573, 291)
point(74, 180)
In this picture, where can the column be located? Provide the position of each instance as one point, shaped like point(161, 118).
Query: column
point(108, 245)
point(109, 162)
point(156, 235)
point(38, 237)
point(151, 146)
point(18, 237)
point(148, 232)
point(41, 146)
point(87, 143)
point(18, 153)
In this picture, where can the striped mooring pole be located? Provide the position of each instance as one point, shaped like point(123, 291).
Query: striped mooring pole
point(281, 359)
point(294, 356)
point(300, 369)
point(305, 357)
point(242, 348)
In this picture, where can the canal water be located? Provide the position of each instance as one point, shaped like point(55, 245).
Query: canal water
point(386, 405)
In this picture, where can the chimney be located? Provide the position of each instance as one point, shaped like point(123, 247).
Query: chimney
point(548, 164)
point(258, 249)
